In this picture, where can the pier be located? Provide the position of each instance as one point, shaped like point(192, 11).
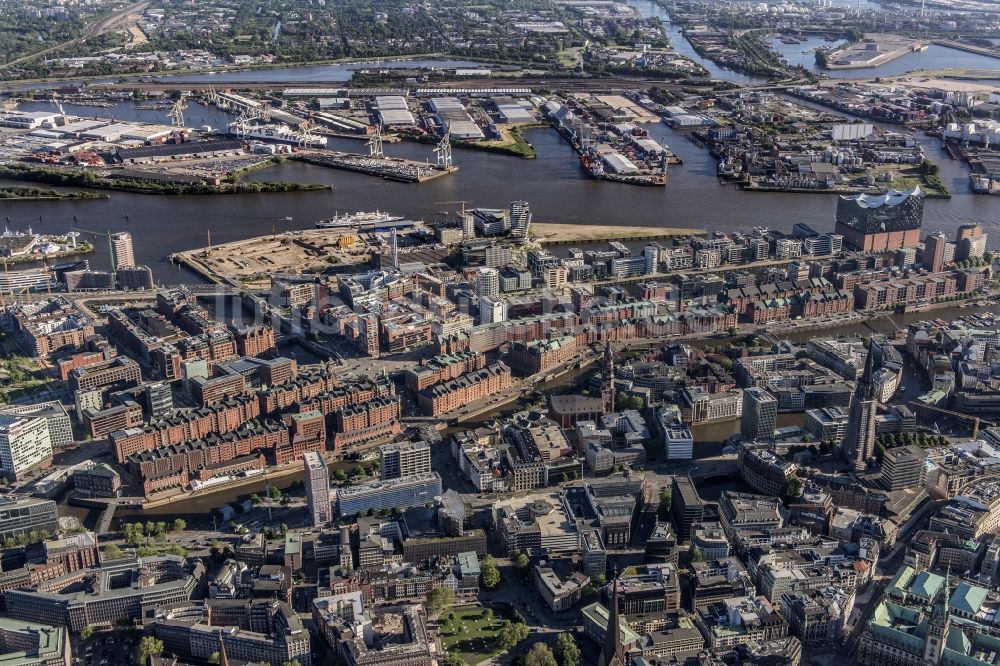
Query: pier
point(390, 168)
point(970, 48)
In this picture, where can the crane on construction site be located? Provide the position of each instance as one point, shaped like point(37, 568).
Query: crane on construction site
point(111, 249)
point(449, 203)
point(274, 225)
point(468, 231)
point(975, 420)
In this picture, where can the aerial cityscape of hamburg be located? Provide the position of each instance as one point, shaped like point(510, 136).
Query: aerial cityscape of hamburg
point(500, 332)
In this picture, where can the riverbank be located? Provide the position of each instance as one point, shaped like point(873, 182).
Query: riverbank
point(855, 55)
point(930, 191)
point(513, 143)
point(140, 183)
point(273, 474)
point(552, 234)
point(225, 69)
point(19, 193)
point(83, 247)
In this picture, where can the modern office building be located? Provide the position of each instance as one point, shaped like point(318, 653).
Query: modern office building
point(492, 310)
point(687, 507)
point(401, 493)
point(25, 444)
point(678, 442)
point(159, 400)
point(20, 515)
point(760, 414)
point(115, 592)
point(827, 424)
point(317, 480)
point(258, 631)
point(904, 467)
point(859, 445)
point(60, 425)
point(405, 459)
point(873, 223)
point(970, 242)
point(29, 644)
point(488, 282)
point(121, 245)
point(134, 278)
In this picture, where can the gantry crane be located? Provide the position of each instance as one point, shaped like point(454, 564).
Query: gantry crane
point(177, 112)
point(375, 143)
point(975, 420)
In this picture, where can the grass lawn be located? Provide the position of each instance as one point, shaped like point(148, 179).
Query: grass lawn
point(931, 184)
point(20, 376)
point(470, 636)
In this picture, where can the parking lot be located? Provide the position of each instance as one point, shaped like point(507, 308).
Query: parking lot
point(107, 649)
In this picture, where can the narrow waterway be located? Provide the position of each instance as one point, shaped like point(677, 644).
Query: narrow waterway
point(652, 8)
point(934, 57)
point(709, 437)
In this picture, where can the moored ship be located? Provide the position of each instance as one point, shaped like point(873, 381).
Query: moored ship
point(357, 219)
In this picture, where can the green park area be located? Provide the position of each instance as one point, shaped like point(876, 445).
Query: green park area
point(19, 376)
point(472, 633)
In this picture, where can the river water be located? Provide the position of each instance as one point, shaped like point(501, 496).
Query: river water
point(554, 184)
point(935, 57)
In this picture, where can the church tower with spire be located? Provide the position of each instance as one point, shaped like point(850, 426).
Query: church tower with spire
point(608, 387)
point(613, 652)
point(937, 626)
point(223, 657)
point(859, 445)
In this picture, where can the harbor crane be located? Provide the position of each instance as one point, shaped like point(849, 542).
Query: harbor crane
point(176, 114)
point(975, 420)
point(375, 143)
point(58, 103)
point(111, 249)
point(443, 152)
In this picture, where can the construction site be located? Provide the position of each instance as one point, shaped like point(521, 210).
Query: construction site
point(251, 263)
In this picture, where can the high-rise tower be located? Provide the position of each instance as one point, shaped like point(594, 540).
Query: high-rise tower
point(520, 218)
point(121, 243)
point(317, 479)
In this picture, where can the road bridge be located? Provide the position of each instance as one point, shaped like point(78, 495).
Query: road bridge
point(104, 522)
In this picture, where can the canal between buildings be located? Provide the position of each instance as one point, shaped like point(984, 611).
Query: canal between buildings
point(709, 437)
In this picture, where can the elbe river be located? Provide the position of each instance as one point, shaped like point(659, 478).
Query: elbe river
point(554, 184)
